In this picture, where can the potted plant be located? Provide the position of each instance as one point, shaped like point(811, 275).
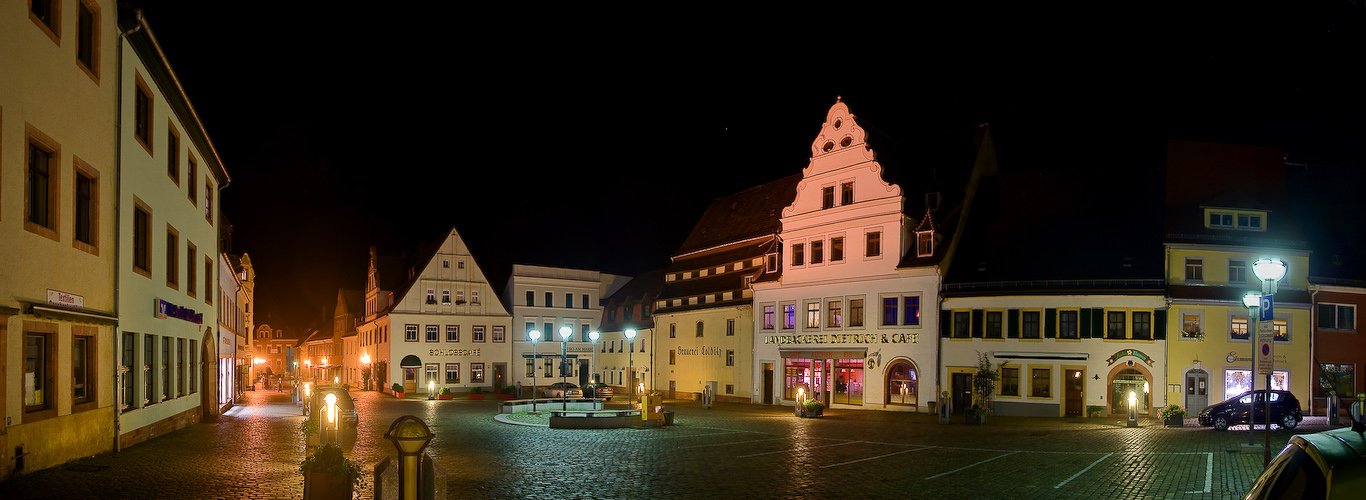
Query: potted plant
point(974, 415)
point(508, 392)
point(1193, 333)
point(983, 386)
point(476, 392)
point(813, 408)
point(1173, 415)
point(444, 393)
point(309, 427)
point(328, 474)
point(398, 389)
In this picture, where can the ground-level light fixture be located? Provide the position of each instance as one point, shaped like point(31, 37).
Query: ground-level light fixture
point(630, 366)
point(431, 389)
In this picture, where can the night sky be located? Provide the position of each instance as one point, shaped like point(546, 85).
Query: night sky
point(595, 139)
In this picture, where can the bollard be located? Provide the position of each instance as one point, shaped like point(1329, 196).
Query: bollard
point(410, 436)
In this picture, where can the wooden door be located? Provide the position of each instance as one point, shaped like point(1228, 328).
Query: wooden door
point(768, 383)
point(962, 392)
point(1073, 392)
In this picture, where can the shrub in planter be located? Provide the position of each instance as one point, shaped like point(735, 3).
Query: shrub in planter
point(398, 389)
point(329, 474)
point(476, 392)
point(507, 392)
point(444, 393)
point(814, 408)
point(1172, 414)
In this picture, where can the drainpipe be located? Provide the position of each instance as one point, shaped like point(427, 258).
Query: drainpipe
point(939, 346)
point(1313, 325)
point(118, 197)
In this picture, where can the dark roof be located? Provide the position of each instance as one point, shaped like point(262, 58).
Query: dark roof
point(1327, 202)
point(352, 301)
point(1060, 231)
point(751, 213)
point(1201, 175)
point(642, 289)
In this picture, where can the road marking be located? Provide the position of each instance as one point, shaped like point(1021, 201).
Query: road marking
point(733, 442)
point(1209, 474)
point(973, 465)
point(796, 449)
point(874, 458)
point(1083, 471)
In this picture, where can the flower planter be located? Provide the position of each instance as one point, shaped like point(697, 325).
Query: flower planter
point(1175, 421)
point(444, 397)
point(398, 395)
point(476, 396)
point(506, 396)
point(974, 419)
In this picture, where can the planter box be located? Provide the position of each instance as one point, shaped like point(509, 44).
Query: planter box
point(1176, 421)
point(476, 396)
point(324, 486)
point(506, 396)
point(398, 395)
point(974, 419)
point(444, 397)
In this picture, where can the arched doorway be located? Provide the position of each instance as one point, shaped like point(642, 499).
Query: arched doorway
point(410, 364)
point(903, 384)
point(208, 376)
point(1128, 378)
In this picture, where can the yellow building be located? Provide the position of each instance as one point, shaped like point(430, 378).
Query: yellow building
point(1215, 232)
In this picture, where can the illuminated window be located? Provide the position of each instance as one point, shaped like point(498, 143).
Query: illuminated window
point(769, 317)
point(924, 244)
point(813, 315)
point(39, 366)
point(789, 316)
point(835, 313)
point(1238, 329)
point(1281, 329)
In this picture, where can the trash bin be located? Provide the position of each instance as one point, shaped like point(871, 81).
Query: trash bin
point(668, 417)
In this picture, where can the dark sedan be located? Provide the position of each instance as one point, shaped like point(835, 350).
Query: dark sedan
point(1285, 410)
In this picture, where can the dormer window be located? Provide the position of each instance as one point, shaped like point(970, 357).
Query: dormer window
point(924, 244)
point(1246, 221)
point(1236, 219)
point(771, 263)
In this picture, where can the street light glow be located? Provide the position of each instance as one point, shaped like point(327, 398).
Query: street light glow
point(1252, 299)
point(1269, 269)
point(565, 332)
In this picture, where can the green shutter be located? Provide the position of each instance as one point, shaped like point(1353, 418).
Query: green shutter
point(1098, 322)
point(977, 323)
point(945, 323)
point(1084, 323)
point(1160, 324)
point(1013, 316)
point(1050, 323)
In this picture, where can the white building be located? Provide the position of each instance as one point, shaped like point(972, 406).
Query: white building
point(547, 299)
point(234, 300)
point(851, 320)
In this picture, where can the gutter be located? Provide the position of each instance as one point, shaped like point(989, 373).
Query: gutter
point(118, 197)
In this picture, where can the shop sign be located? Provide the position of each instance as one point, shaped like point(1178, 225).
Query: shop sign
point(453, 352)
point(825, 354)
point(700, 351)
point(168, 310)
point(577, 348)
point(1130, 352)
point(58, 298)
point(845, 338)
point(1233, 357)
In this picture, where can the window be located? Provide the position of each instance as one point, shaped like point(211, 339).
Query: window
point(431, 369)
point(1195, 269)
point(173, 154)
point(459, 296)
point(1238, 329)
point(1337, 317)
point(530, 298)
point(817, 251)
point(1041, 383)
point(431, 296)
point(460, 264)
point(699, 328)
point(912, 313)
point(846, 193)
point(87, 202)
point(126, 371)
point(924, 244)
point(191, 176)
point(993, 330)
point(873, 248)
point(446, 264)
point(1337, 377)
point(585, 300)
point(39, 377)
point(165, 368)
point(529, 327)
point(1280, 330)
point(1029, 324)
point(789, 316)
point(835, 313)
point(142, 114)
point(446, 297)
point(47, 14)
point(530, 367)
point(499, 334)
point(208, 280)
point(730, 357)
point(1143, 325)
point(1237, 271)
point(549, 368)
point(1248, 221)
point(1217, 219)
point(1067, 324)
point(550, 299)
point(627, 308)
point(191, 269)
point(142, 238)
point(180, 367)
point(208, 202)
point(827, 197)
point(889, 307)
point(672, 359)
point(549, 332)
point(770, 263)
point(730, 328)
point(1236, 381)
point(410, 333)
point(962, 324)
point(673, 330)
point(44, 179)
point(837, 249)
point(193, 366)
point(477, 334)
point(1010, 381)
point(855, 312)
point(1190, 326)
point(569, 300)
point(172, 257)
point(474, 297)
point(452, 333)
point(453, 372)
point(149, 343)
point(798, 254)
point(769, 313)
point(1115, 324)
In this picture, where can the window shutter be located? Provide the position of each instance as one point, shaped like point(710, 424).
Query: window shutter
point(1050, 323)
point(1084, 323)
point(1098, 322)
point(1160, 324)
point(945, 324)
point(977, 323)
point(1013, 317)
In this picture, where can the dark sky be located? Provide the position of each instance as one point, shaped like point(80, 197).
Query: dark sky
point(595, 139)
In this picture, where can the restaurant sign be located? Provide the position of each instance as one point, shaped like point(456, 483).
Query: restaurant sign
point(454, 352)
point(845, 338)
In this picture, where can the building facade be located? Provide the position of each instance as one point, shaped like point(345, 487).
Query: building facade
point(547, 299)
point(59, 80)
point(630, 307)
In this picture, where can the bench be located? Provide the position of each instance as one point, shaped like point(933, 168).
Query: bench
point(593, 419)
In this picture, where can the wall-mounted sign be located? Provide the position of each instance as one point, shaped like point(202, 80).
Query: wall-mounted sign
point(59, 298)
point(1130, 352)
point(845, 338)
point(168, 310)
point(700, 351)
point(453, 352)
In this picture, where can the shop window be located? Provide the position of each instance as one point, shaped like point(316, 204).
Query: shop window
point(1337, 377)
point(848, 374)
point(902, 384)
point(1239, 381)
point(39, 378)
point(1126, 381)
point(1041, 383)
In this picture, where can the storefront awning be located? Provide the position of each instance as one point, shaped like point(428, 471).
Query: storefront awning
point(86, 316)
point(410, 361)
point(1041, 355)
point(824, 354)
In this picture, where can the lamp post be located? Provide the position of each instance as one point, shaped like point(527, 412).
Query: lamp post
point(534, 335)
point(431, 389)
point(630, 367)
point(1270, 271)
point(1253, 301)
point(593, 335)
point(565, 332)
point(322, 365)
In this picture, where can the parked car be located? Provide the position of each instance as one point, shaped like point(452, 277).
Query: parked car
point(559, 390)
point(595, 390)
point(1285, 410)
point(1328, 465)
point(346, 405)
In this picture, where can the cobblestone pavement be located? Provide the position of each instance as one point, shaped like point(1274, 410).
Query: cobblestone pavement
point(728, 451)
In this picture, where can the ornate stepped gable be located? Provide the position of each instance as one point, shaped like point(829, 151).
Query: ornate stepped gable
point(839, 151)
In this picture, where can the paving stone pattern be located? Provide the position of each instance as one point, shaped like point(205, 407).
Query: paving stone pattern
point(726, 452)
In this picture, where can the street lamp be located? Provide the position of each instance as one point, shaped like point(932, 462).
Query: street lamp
point(365, 361)
point(593, 335)
point(534, 335)
point(565, 332)
point(1253, 301)
point(331, 412)
point(1270, 271)
point(630, 366)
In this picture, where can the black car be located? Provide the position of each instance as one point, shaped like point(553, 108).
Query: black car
point(1285, 410)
